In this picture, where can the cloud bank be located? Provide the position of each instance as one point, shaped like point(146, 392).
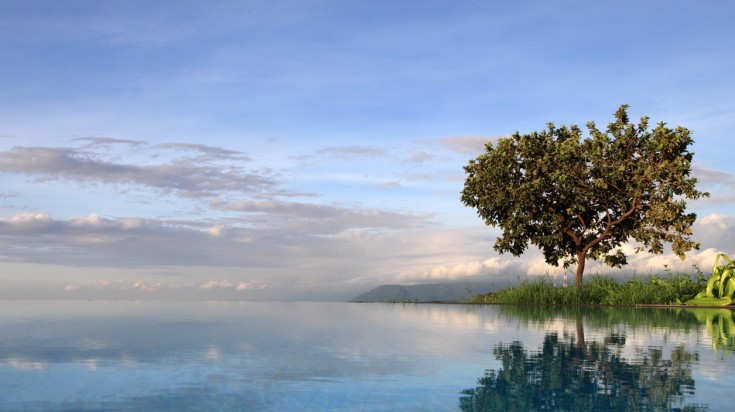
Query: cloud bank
point(248, 232)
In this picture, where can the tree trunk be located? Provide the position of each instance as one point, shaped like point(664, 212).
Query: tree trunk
point(580, 333)
point(580, 268)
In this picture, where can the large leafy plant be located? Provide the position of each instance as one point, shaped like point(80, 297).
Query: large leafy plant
point(720, 288)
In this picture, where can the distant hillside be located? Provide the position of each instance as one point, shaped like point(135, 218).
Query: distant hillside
point(440, 292)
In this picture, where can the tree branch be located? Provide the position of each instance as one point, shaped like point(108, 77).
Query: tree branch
point(610, 223)
point(575, 237)
point(584, 225)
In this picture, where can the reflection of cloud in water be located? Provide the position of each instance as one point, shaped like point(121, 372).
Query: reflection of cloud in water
point(213, 354)
point(243, 352)
point(26, 365)
point(90, 364)
point(299, 340)
point(300, 355)
point(467, 317)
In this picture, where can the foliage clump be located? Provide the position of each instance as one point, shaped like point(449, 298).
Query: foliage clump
point(720, 290)
point(600, 290)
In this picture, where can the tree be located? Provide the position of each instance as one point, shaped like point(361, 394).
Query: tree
point(577, 198)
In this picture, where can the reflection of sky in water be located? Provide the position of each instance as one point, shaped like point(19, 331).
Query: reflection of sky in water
point(298, 356)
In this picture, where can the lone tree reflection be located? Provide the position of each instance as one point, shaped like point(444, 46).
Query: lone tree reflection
point(573, 375)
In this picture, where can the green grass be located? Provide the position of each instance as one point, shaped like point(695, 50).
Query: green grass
point(600, 290)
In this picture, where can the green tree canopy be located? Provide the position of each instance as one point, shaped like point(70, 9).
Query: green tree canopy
point(578, 198)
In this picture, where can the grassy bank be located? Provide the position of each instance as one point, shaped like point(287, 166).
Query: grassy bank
point(600, 290)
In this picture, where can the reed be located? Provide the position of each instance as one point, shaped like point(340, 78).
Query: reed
point(600, 290)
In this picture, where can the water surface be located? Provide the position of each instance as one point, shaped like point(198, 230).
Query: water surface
point(339, 356)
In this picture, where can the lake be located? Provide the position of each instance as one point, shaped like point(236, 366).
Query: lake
point(294, 356)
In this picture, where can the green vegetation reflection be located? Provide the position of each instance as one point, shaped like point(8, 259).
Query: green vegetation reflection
point(720, 324)
point(570, 372)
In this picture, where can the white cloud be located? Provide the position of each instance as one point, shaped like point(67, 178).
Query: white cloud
point(119, 285)
point(131, 223)
point(324, 218)
point(239, 286)
point(96, 285)
point(495, 266)
point(721, 222)
point(214, 284)
point(217, 230)
point(207, 153)
point(716, 231)
point(32, 219)
point(354, 151)
point(242, 286)
point(537, 266)
point(147, 286)
point(323, 247)
point(419, 157)
point(466, 145)
point(645, 263)
point(92, 141)
point(715, 228)
point(712, 177)
point(93, 220)
point(9, 196)
point(203, 176)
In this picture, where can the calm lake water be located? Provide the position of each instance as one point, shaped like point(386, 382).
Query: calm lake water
point(221, 356)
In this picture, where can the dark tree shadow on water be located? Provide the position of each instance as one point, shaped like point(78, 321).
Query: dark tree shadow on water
point(568, 373)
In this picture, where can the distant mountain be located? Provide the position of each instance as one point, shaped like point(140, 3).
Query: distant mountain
point(437, 292)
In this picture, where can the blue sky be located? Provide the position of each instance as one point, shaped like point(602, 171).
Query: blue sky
point(314, 149)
